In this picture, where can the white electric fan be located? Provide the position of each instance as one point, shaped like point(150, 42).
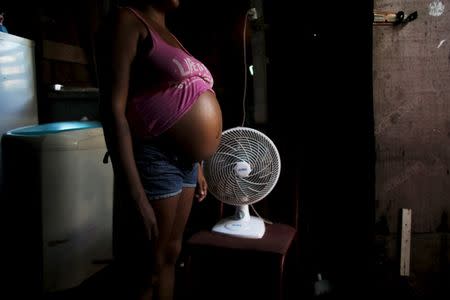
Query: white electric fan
point(244, 170)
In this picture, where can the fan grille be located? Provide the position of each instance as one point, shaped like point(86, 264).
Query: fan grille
point(227, 173)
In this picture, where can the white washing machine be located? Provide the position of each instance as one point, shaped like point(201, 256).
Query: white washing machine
point(58, 203)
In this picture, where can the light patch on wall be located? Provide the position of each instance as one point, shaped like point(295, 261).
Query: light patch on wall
point(407, 173)
point(436, 8)
point(13, 84)
point(434, 167)
point(441, 43)
point(385, 123)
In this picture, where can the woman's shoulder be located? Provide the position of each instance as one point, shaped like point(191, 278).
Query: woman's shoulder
point(119, 15)
point(121, 20)
point(124, 15)
point(130, 18)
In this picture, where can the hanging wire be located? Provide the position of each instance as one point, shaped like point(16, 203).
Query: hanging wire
point(245, 67)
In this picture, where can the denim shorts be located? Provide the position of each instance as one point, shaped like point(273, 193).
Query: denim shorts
point(163, 173)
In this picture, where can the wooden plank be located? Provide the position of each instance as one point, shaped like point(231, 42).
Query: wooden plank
point(430, 258)
point(64, 52)
point(405, 244)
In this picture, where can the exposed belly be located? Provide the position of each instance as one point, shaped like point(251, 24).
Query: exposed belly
point(198, 132)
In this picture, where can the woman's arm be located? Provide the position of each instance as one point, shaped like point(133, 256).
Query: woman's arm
point(202, 185)
point(124, 47)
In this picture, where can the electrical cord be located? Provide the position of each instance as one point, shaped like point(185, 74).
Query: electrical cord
point(245, 67)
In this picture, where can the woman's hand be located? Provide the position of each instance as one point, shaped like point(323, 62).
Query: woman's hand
point(149, 219)
point(202, 185)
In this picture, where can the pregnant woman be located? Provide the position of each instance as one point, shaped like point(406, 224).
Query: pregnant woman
point(161, 119)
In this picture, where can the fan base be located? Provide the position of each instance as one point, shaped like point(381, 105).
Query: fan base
point(253, 228)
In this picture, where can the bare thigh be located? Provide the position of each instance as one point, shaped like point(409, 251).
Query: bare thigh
point(182, 214)
point(172, 215)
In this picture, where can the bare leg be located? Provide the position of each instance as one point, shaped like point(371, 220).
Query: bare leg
point(172, 216)
point(165, 211)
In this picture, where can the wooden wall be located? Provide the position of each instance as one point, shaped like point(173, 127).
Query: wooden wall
point(412, 115)
point(411, 71)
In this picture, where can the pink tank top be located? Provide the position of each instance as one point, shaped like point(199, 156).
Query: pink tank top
point(165, 81)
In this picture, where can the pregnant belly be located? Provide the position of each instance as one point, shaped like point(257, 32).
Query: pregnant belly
point(198, 132)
